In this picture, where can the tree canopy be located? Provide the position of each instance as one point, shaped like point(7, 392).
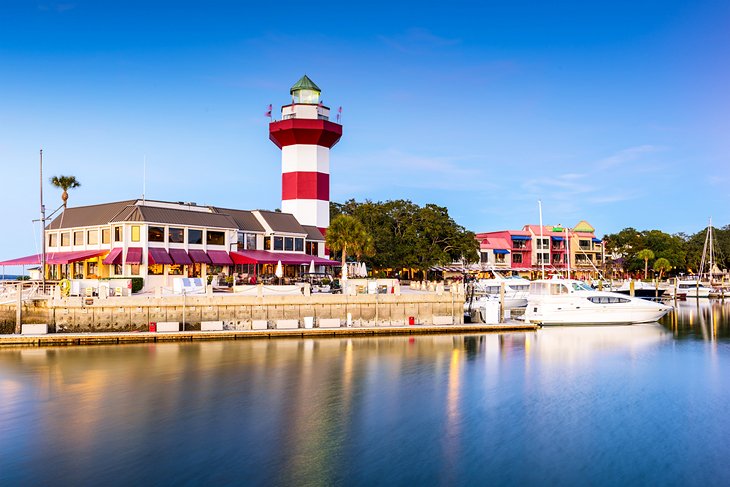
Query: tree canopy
point(347, 233)
point(65, 183)
point(407, 235)
point(682, 251)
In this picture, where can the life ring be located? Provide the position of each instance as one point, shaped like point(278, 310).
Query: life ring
point(65, 286)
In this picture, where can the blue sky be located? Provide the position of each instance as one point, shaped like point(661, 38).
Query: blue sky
point(614, 112)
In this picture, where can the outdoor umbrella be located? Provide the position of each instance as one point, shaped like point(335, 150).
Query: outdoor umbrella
point(311, 267)
point(363, 270)
point(279, 272)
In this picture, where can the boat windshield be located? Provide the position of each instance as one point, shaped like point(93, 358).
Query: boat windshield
point(581, 286)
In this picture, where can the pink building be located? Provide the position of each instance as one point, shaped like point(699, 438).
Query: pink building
point(555, 248)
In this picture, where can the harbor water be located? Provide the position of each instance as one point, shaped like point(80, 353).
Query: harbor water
point(621, 405)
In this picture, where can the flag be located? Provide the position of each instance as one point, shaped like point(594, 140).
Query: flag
point(339, 114)
point(321, 104)
point(268, 112)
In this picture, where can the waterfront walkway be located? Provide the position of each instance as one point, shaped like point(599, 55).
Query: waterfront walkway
point(56, 339)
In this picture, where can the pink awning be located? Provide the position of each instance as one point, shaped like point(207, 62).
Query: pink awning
point(180, 257)
point(199, 256)
point(219, 257)
point(158, 256)
point(114, 257)
point(68, 257)
point(134, 255)
point(56, 257)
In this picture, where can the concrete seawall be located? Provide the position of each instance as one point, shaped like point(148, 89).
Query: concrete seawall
point(238, 313)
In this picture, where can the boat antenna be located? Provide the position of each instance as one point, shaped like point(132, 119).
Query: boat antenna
point(144, 178)
point(567, 249)
point(540, 245)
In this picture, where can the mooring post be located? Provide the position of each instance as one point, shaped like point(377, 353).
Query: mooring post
point(19, 309)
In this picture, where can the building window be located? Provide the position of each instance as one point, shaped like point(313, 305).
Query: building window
point(215, 238)
point(52, 239)
point(79, 237)
point(155, 234)
point(155, 269)
point(92, 267)
point(105, 234)
point(312, 248)
point(134, 269)
point(484, 257)
point(176, 235)
point(543, 243)
point(585, 244)
point(299, 244)
point(251, 241)
point(517, 258)
point(289, 243)
point(195, 237)
point(65, 239)
point(278, 243)
point(92, 237)
point(519, 244)
point(543, 258)
point(499, 258)
point(267, 243)
point(117, 270)
point(240, 241)
point(175, 270)
point(135, 233)
point(117, 234)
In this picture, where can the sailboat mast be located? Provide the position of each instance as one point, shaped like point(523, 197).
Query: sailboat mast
point(43, 228)
point(540, 245)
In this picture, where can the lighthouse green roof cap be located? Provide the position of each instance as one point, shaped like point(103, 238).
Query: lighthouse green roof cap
point(304, 84)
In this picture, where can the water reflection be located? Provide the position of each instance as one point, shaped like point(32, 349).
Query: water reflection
point(706, 319)
point(560, 405)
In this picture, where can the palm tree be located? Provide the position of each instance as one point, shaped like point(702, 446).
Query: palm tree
point(662, 265)
point(646, 255)
point(346, 232)
point(65, 183)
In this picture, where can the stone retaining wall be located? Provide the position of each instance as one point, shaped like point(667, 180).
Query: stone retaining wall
point(134, 313)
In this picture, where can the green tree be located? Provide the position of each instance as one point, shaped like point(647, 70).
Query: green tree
point(345, 232)
point(662, 265)
point(65, 183)
point(646, 255)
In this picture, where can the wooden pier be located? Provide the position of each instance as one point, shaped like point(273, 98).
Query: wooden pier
point(109, 338)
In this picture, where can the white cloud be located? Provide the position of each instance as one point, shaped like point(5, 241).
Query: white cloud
point(627, 155)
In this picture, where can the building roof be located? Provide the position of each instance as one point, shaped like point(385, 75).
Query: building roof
point(154, 214)
point(494, 243)
point(282, 222)
point(86, 216)
point(583, 226)
point(313, 233)
point(304, 83)
point(244, 219)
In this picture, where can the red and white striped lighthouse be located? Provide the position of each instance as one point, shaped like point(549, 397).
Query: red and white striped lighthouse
point(305, 136)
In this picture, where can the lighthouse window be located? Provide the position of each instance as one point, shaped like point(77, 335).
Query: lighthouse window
point(289, 243)
point(299, 244)
point(278, 243)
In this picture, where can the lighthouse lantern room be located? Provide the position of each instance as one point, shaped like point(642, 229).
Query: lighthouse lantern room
point(305, 136)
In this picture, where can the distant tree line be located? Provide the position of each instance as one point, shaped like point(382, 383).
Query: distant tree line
point(636, 252)
point(406, 235)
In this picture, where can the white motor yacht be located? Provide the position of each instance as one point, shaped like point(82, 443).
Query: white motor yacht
point(693, 289)
point(516, 290)
point(570, 302)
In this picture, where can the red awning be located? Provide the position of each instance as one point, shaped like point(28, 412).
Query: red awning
point(158, 256)
point(134, 255)
point(199, 256)
point(266, 257)
point(180, 257)
point(219, 257)
point(114, 257)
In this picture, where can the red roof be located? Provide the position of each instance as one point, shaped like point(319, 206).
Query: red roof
point(495, 243)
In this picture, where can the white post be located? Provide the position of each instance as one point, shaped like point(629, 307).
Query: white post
point(542, 261)
point(19, 309)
